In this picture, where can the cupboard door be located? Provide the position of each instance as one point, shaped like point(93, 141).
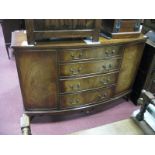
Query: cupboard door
point(130, 63)
point(37, 72)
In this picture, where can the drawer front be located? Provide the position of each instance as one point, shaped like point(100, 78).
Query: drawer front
point(86, 83)
point(106, 52)
point(89, 97)
point(86, 68)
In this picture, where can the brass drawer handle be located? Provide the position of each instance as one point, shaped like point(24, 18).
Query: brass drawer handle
point(75, 71)
point(108, 67)
point(104, 67)
point(75, 87)
point(107, 53)
point(75, 101)
point(110, 53)
point(102, 96)
point(76, 56)
point(105, 81)
point(113, 51)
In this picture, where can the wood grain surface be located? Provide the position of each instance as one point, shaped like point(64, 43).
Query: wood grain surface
point(38, 78)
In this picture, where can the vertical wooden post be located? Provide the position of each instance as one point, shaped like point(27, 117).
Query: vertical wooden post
point(30, 28)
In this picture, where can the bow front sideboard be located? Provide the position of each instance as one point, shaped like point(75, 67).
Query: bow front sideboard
point(62, 77)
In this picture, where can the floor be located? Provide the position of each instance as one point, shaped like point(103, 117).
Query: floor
point(123, 127)
point(11, 107)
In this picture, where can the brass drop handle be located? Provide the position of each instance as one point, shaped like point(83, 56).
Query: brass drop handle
point(110, 66)
point(108, 80)
point(104, 67)
point(113, 51)
point(75, 87)
point(75, 101)
point(102, 96)
point(107, 53)
point(105, 81)
point(76, 56)
point(75, 71)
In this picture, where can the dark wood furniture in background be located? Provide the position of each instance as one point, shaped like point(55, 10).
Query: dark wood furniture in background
point(121, 28)
point(148, 24)
point(146, 74)
point(63, 77)
point(145, 116)
point(8, 26)
point(38, 29)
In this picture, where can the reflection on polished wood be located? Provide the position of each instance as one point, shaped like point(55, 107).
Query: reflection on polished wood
point(72, 75)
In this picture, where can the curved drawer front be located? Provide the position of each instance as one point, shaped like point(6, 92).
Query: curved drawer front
point(70, 55)
point(89, 97)
point(86, 68)
point(86, 83)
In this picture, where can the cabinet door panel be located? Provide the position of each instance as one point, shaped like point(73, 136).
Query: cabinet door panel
point(37, 78)
point(129, 66)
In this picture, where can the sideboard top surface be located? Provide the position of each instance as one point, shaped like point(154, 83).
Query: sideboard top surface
point(19, 40)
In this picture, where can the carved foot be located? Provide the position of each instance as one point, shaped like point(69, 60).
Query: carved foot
point(25, 125)
point(140, 116)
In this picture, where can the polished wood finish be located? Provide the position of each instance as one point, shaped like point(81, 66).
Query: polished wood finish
point(87, 68)
point(40, 29)
point(93, 53)
point(70, 76)
point(38, 84)
point(87, 83)
point(128, 70)
point(89, 97)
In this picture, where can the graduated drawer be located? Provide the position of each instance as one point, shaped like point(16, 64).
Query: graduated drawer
point(92, 67)
point(69, 55)
point(88, 97)
point(87, 83)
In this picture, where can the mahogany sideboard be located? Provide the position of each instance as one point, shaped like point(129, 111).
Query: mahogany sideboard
point(62, 77)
